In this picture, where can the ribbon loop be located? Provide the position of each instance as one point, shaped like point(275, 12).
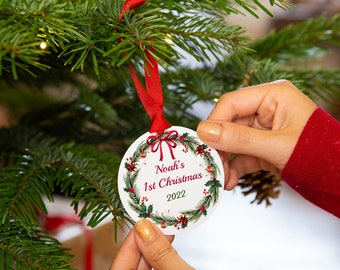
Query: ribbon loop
point(156, 143)
point(130, 4)
point(151, 97)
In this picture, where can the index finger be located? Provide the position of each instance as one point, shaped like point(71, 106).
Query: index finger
point(128, 256)
point(242, 103)
point(156, 248)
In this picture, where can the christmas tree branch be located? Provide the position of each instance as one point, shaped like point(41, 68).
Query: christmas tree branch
point(37, 251)
point(81, 111)
point(66, 166)
point(301, 41)
point(203, 36)
point(85, 32)
point(221, 7)
point(320, 84)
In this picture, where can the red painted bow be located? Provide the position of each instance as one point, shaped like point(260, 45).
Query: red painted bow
point(156, 143)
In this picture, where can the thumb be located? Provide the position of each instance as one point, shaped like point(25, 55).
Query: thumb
point(238, 139)
point(156, 248)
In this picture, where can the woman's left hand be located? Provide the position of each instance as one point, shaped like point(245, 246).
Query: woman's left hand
point(147, 247)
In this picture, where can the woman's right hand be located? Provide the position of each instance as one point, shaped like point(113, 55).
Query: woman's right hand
point(260, 124)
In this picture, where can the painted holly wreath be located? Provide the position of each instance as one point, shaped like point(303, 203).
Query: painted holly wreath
point(155, 143)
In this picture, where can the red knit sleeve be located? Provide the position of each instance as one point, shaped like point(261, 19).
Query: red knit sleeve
point(313, 169)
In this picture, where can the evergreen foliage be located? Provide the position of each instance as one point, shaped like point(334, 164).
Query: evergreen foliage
point(74, 109)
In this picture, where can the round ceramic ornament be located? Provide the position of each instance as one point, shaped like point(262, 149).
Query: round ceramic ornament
point(173, 179)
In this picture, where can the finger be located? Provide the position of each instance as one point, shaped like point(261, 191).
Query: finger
point(233, 138)
point(156, 248)
point(225, 158)
point(143, 264)
point(242, 165)
point(267, 106)
point(128, 256)
point(243, 103)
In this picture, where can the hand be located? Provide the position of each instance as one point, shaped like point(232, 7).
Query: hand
point(146, 247)
point(260, 124)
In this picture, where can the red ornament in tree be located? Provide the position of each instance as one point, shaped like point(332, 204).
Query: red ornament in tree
point(163, 224)
point(210, 169)
point(143, 154)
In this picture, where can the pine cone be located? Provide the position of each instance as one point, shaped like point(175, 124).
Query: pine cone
point(264, 183)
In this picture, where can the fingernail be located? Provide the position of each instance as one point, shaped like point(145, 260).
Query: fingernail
point(145, 230)
point(209, 131)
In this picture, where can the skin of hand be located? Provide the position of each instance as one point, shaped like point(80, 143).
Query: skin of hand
point(146, 247)
point(256, 128)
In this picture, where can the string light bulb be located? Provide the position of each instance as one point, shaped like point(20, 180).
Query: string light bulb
point(43, 45)
point(168, 39)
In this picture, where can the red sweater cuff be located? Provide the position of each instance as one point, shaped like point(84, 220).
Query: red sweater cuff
point(313, 169)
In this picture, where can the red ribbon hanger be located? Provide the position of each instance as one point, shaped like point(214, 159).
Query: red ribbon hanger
point(151, 97)
point(130, 4)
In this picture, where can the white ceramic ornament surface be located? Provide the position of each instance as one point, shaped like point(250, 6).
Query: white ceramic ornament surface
point(173, 179)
